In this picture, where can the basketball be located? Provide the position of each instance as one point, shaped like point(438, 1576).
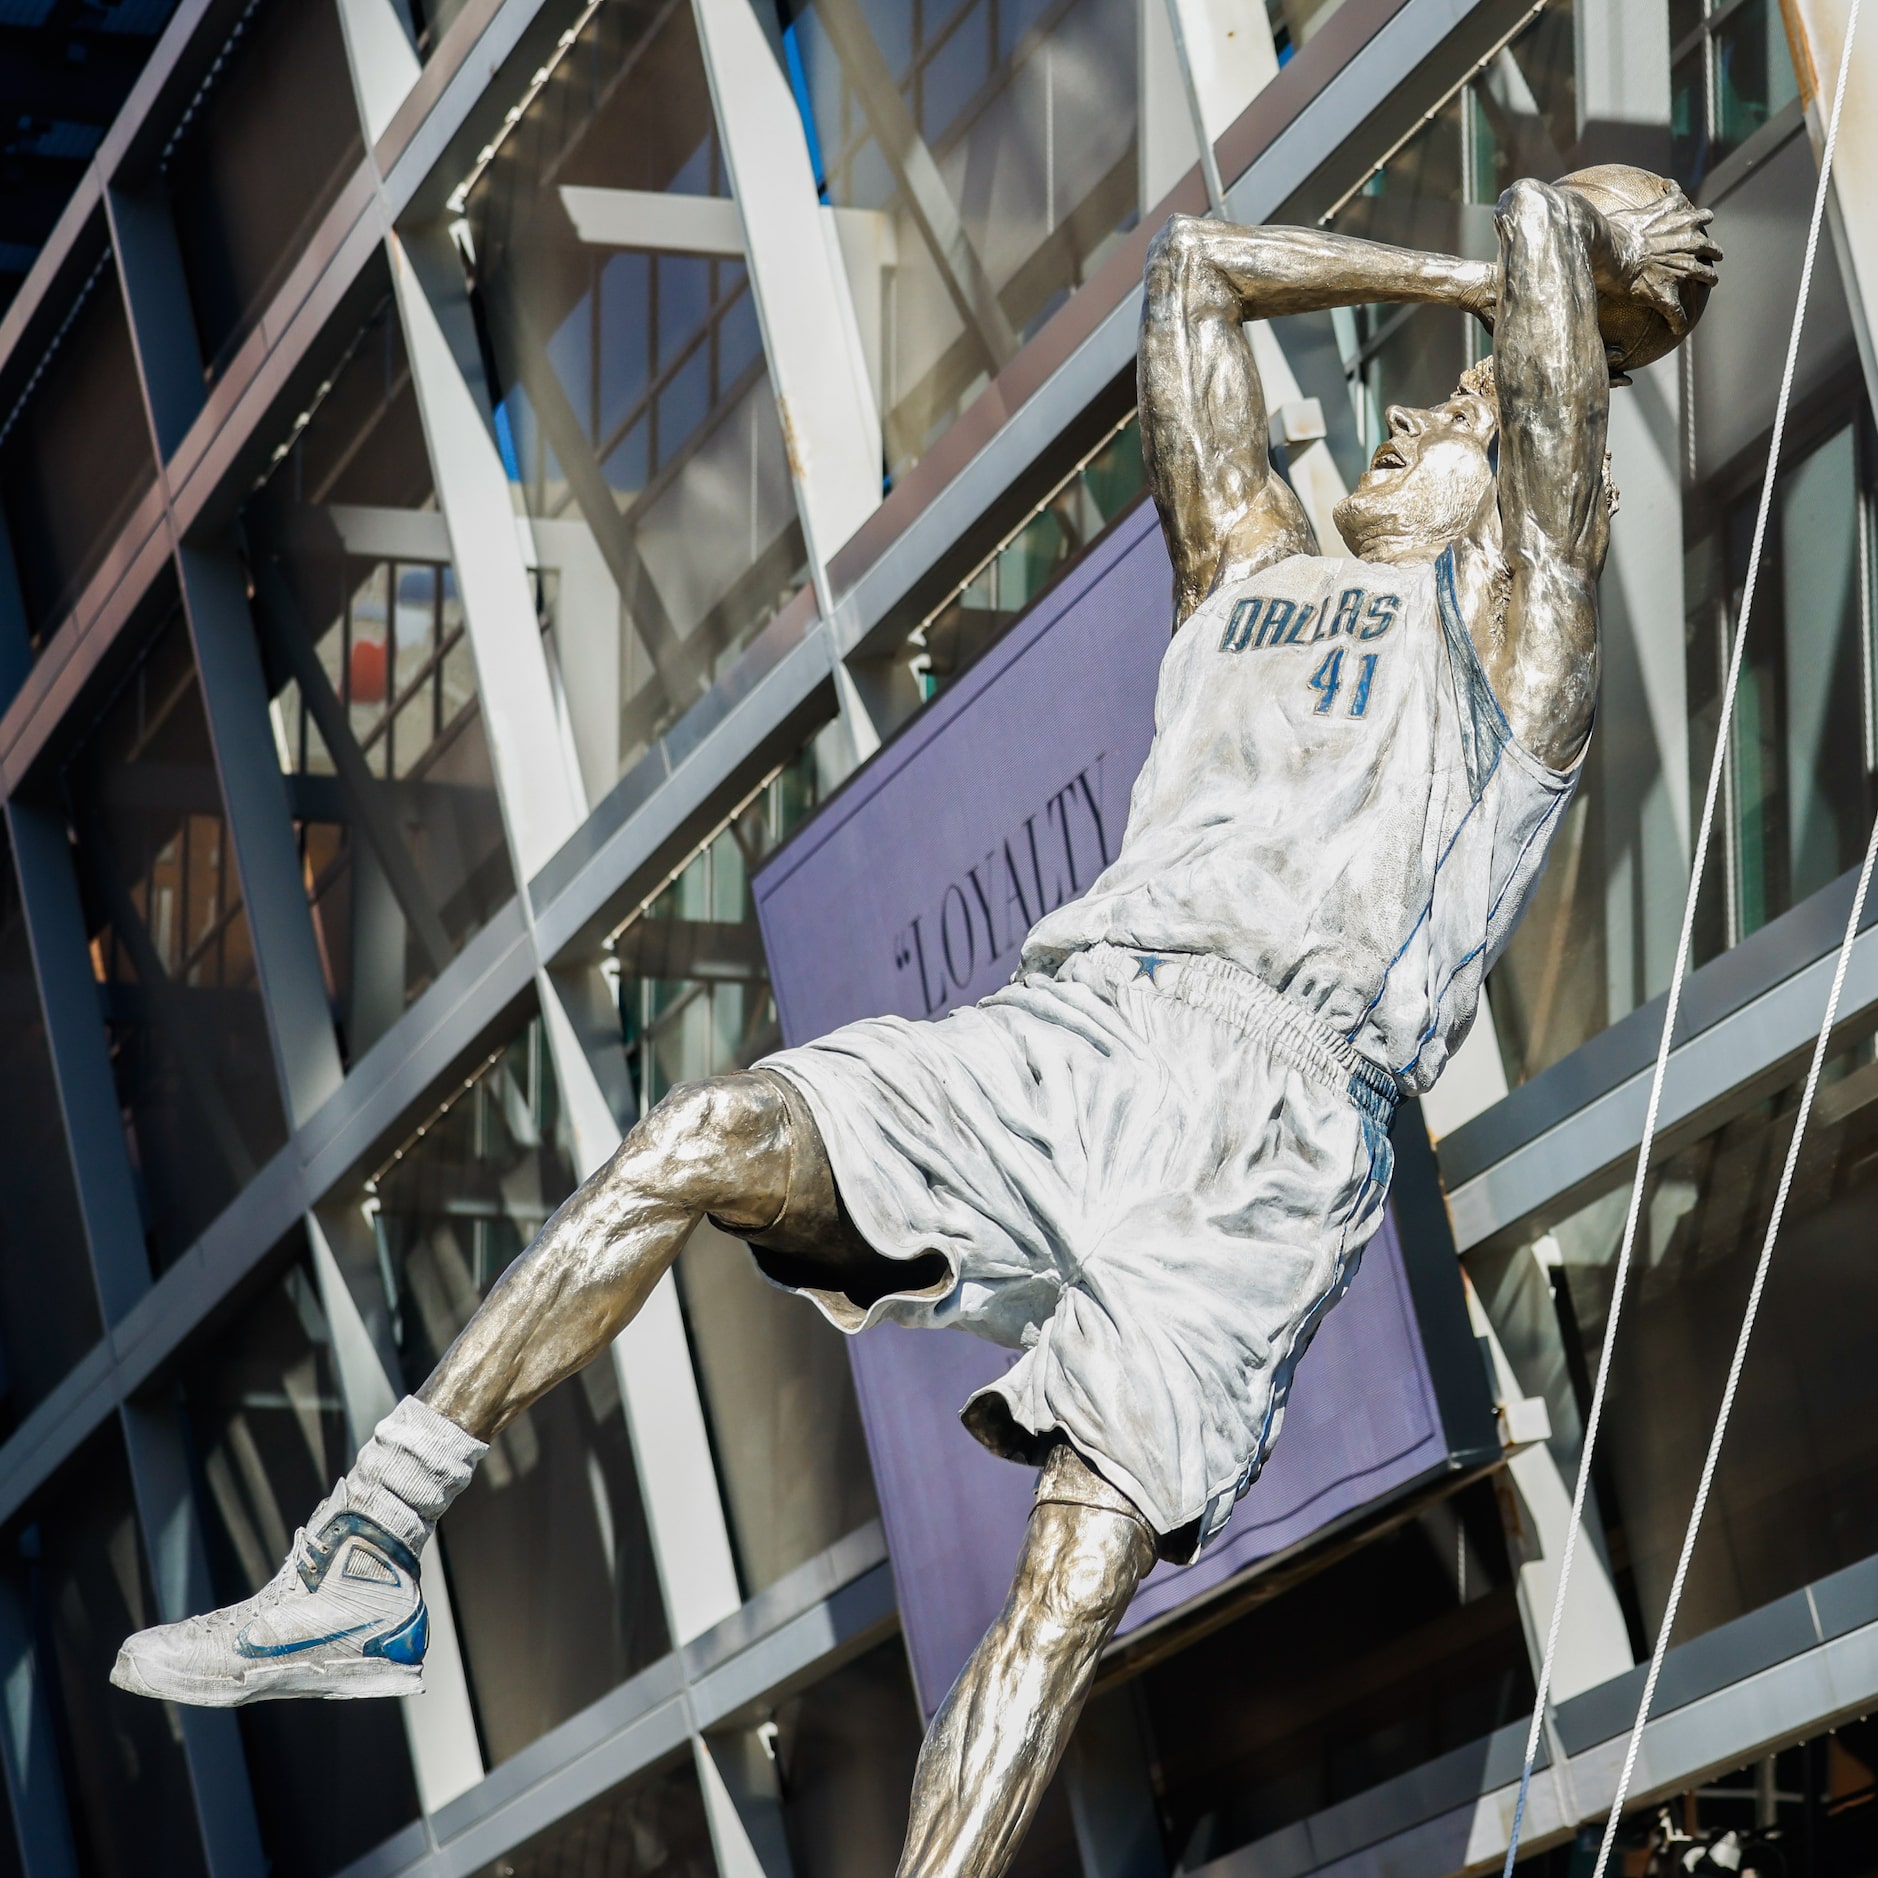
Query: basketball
point(1638, 331)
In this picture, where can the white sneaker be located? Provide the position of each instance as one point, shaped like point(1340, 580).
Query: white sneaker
point(343, 1617)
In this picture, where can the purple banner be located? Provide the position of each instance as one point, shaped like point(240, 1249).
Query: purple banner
point(910, 894)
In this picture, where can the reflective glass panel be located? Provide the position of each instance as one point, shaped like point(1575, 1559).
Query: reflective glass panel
point(652, 1824)
point(1800, 768)
point(551, 1571)
point(48, 1308)
point(377, 718)
point(845, 1749)
point(431, 20)
point(272, 138)
point(986, 154)
point(1794, 1496)
point(1405, 1650)
point(785, 1425)
point(170, 947)
point(1754, 77)
point(76, 458)
point(636, 416)
point(1050, 542)
point(78, 1560)
point(270, 1436)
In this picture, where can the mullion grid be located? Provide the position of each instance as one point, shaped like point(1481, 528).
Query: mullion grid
point(208, 945)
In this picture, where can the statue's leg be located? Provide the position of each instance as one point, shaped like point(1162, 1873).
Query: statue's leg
point(345, 1614)
point(998, 1736)
point(724, 1147)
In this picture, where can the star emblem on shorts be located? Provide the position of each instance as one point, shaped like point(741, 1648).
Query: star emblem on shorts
point(1146, 963)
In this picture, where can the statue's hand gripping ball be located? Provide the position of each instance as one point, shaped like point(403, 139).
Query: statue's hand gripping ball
point(1637, 329)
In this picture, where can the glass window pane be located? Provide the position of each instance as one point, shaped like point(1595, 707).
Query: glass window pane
point(1827, 817)
point(986, 604)
point(695, 1001)
point(642, 432)
point(1029, 115)
point(77, 459)
point(78, 1559)
point(270, 1438)
point(1753, 73)
point(432, 19)
point(170, 948)
point(379, 727)
point(1410, 1647)
point(48, 1308)
point(845, 1749)
point(651, 1824)
point(551, 1572)
point(268, 150)
point(1788, 1505)
point(1798, 778)
point(1689, 147)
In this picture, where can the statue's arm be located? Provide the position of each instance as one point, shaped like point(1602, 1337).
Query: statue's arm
point(1203, 415)
point(1554, 392)
point(1557, 254)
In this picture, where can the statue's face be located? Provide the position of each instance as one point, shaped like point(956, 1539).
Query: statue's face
point(1430, 483)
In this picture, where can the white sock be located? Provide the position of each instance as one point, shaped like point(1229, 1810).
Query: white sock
point(415, 1464)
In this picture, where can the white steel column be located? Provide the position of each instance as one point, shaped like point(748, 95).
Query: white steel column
point(384, 62)
point(1535, 1509)
point(1816, 34)
point(441, 1727)
point(260, 828)
point(742, 1805)
point(537, 777)
point(818, 370)
point(664, 1413)
point(102, 1174)
point(1229, 47)
point(537, 774)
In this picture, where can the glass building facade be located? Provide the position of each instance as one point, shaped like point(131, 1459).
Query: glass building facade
point(476, 478)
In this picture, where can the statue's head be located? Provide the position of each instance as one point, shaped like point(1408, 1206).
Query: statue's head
point(1431, 481)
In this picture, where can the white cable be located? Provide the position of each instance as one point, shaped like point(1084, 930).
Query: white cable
point(1699, 862)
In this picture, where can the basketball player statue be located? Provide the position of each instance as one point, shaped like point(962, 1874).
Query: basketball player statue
point(1151, 1161)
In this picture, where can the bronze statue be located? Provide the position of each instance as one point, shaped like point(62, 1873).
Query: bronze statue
point(1150, 1163)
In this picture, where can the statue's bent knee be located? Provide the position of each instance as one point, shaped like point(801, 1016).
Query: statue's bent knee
point(722, 1143)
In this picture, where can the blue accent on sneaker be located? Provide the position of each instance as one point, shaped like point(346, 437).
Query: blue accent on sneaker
point(244, 1648)
point(406, 1644)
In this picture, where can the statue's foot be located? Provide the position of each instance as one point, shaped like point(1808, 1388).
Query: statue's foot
point(343, 1617)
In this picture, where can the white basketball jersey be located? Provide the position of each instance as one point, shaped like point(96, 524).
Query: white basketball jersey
point(1334, 800)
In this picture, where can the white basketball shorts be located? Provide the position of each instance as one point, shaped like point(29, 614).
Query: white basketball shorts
point(1152, 1175)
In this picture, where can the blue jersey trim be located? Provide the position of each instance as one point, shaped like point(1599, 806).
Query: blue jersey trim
point(1483, 722)
point(1428, 907)
point(1493, 913)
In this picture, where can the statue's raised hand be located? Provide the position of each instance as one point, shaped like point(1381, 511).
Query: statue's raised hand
point(1662, 248)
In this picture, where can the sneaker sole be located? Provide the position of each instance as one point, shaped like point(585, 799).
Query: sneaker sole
point(346, 1679)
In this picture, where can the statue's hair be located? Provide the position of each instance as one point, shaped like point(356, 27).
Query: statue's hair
point(1478, 382)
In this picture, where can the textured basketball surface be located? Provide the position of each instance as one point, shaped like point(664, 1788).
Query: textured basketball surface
point(1638, 331)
